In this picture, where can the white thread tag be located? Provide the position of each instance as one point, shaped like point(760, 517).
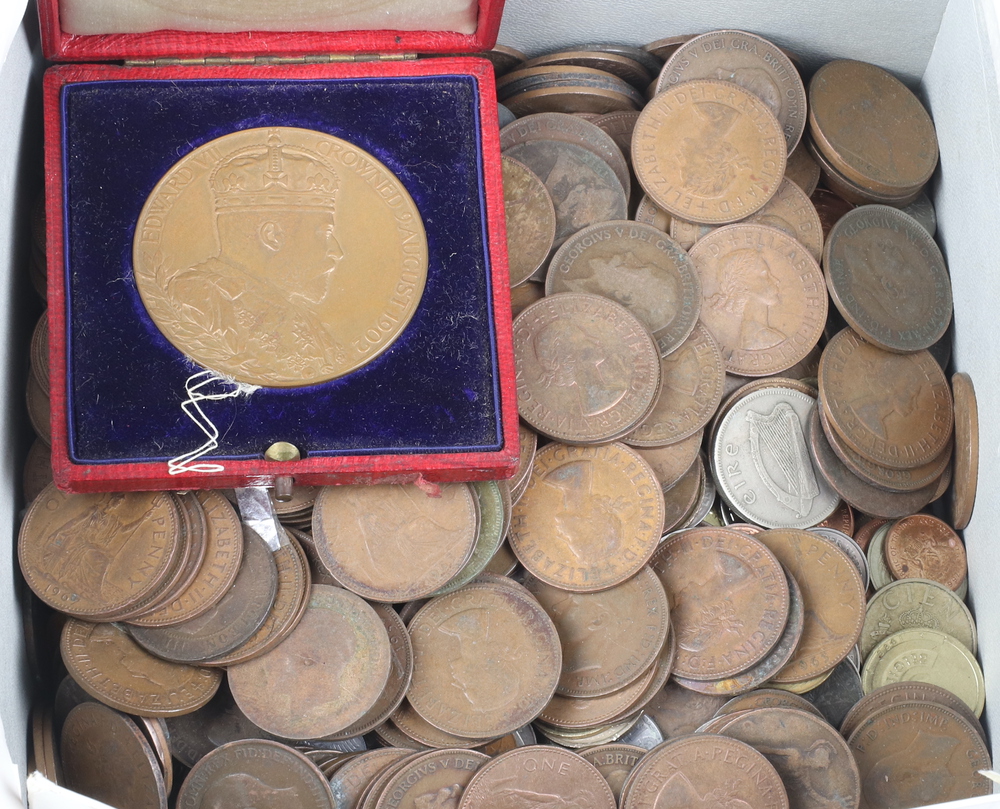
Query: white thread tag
point(195, 387)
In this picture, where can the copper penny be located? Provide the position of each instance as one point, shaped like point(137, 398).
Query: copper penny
point(546, 776)
point(867, 530)
point(584, 188)
point(708, 152)
point(349, 782)
point(649, 213)
point(559, 126)
point(833, 595)
point(531, 220)
point(325, 676)
point(728, 597)
point(590, 518)
point(371, 794)
point(802, 170)
point(693, 377)
point(432, 780)
point(841, 520)
point(522, 296)
point(40, 351)
point(688, 233)
point(587, 369)
point(830, 208)
point(494, 517)
point(663, 48)
point(255, 772)
point(894, 409)
point(393, 542)
point(527, 440)
point(620, 126)
point(703, 769)
point(98, 555)
point(39, 409)
point(227, 625)
point(678, 711)
point(609, 639)
point(680, 500)
point(503, 58)
point(113, 668)
point(888, 278)
point(923, 547)
point(486, 661)
point(637, 266)
point(237, 268)
point(614, 762)
point(768, 698)
point(751, 62)
point(598, 98)
point(670, 462)
point(890, 694)
point(95, 736)
point(37, 470)
point(850, 190)
point(617, 64)
point(871, 127)
point(763, 297)
point(963, 497)
point(409, 722)
point(813, 760)
point(918, 753)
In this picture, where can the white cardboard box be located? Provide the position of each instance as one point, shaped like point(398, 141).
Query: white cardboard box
point(947, 49)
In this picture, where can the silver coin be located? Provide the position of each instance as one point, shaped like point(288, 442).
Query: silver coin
point(838, 693)
point(848, 546)
point(880, 575)
point(761, 464)
point(645, 733)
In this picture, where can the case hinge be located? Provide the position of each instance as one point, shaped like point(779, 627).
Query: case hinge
point(312, 59)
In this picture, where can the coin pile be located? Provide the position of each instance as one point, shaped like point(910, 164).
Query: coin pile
point(715, 576)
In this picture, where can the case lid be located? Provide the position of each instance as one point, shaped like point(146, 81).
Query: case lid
point(59, 20)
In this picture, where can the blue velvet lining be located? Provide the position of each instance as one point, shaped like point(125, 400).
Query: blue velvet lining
point(434, 390)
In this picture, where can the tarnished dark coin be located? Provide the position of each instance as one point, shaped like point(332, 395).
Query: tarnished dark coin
point(871, 127)
point(813, 760)
point(637, 266)
point(726, 591)
point(522, 296)
point(840, 692)
point(763, 297)
point(95, 736)
point(620, 126)
point(486, 661)
point(923, 211)
point(592, 97)
point(888, 278)
point(894, 409)
point(326, 675)
point(917, 753)
point(37, 470)
point(583, 187)
point(531, 220)
point(708, 152)
point(231, 622)
point(434, 779)
point(663, 48)
point(587, 370)
point(114, 669)
point(255, 772)
point(749, 61)
point(890, 694)
point(348, 783)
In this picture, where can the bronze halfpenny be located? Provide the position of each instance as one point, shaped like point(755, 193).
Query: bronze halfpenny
point(708, 152)
point(923, 547)
point(486, 661)
point(763, 297)
point(590, 518)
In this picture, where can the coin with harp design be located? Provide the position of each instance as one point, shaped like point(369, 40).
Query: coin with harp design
point(762, 465)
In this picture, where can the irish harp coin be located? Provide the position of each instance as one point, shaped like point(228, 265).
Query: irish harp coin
point(280, 256)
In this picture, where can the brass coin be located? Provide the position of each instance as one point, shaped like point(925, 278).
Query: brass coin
point(894, 409)
point(230, 623)
point(888, 278)
point(113, 668)
point(963, 497)
point(584, 188)
point(703, 768)
point(255, 771)
point(670, 462)
point(531, 220)
point(95, 736)
point(546, 775)
point(890, 694)
point(917, 753)
point(637, 266)
point(587, 369)
point(802, 170)
point(763, 297)
point(325, 676)
point(917, 603)
point(708, 152)
point(614, 762)
point(559, 126)
point(486, 661)
point(238, 245)
point(834, 598)
point(609, 639)
point(97, 555)
point(37, 470)
point(923, 547)
point(349, 781)
point(648, 213)
point(693, 377)
point(813, 760)
point(880, 575)
point(393, 543)
point(727, 592)
point(432, 780)
point(678, 712)
point(590, 518)
point(751, 62)
point(871, 127)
